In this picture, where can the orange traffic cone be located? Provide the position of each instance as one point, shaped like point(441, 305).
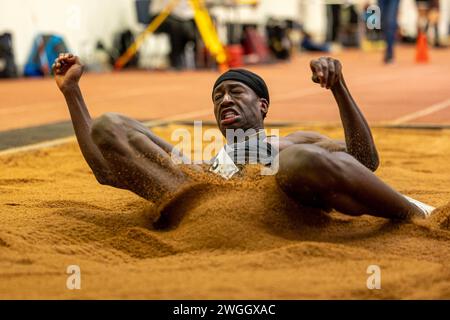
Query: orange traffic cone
point(422, 55)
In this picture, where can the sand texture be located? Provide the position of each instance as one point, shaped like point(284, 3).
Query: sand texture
point(242, 239)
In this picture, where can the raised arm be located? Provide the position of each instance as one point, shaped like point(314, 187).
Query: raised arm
point(358, 137)
point(68, 71)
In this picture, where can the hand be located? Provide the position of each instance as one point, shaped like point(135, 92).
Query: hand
point(326, 71)
point(67, 70)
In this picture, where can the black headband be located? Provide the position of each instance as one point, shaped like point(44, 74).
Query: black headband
point(252, 80)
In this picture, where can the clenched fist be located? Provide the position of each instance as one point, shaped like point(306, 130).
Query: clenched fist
point(67, 70)
point(326, 71)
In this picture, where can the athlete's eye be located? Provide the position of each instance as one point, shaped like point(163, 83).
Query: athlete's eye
point(217, 97)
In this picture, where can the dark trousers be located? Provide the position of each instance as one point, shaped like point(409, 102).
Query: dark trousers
point(389, 13)
point(334, 22)
point(180, 33)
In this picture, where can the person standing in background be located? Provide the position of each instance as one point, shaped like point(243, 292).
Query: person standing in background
point(180, 26)
point(389, 24)
point(429, 17)
point(334, 22)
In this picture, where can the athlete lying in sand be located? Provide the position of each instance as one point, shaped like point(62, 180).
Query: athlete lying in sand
point(313, 169)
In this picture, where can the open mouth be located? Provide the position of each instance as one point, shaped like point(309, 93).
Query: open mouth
point(228, 116)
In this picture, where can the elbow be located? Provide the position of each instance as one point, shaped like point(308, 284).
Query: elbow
point(373, 166)
point(373, 163)
point(104, 179)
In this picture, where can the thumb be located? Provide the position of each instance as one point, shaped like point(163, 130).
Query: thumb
point(315, 78)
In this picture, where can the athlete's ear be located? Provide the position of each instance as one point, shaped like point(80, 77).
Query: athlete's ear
point(264, 106)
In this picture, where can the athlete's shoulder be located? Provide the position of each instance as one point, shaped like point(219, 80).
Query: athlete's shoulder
point(305, 137)
point(311, 137)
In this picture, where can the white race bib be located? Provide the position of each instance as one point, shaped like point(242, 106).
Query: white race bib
point(223, 165)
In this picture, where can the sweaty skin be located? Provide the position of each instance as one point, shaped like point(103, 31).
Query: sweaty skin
point(313, 169)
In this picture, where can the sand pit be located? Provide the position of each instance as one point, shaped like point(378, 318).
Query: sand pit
point(235, 244)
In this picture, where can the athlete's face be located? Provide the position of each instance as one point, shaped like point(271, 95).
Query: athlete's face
point(236, 106)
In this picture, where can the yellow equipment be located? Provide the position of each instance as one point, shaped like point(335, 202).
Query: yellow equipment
point(204, 24)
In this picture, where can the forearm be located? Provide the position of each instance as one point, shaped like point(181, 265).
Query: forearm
point(358, 136)
point(82, 123)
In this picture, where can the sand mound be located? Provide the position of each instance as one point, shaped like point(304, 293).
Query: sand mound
point(231, 241)
point(251, 213)
point(441, 217)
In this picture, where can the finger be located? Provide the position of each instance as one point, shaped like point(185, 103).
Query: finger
point(65, 60)
point(331, 73)
point(73, 59)
point(324, 78)
point(316, 68)
point(315, 78)
point(55, 69)
point(60, 59)
point(338, 67)
point(313, 65)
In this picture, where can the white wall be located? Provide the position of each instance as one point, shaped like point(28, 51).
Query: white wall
point(313, 16)
point(444, 18)
point(81, 22)
point(282, 9)
point(408, 17)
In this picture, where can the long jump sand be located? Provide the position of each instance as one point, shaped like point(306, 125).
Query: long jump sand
point(232, 244)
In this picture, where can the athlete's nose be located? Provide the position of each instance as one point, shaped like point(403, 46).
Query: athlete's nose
point(226, 100)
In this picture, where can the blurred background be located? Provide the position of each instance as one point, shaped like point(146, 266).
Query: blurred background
point(157, 59)
point(197, 34)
